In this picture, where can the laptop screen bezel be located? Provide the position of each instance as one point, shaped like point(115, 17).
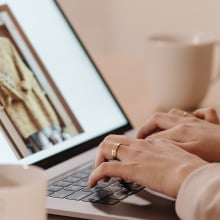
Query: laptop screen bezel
point(89, 144)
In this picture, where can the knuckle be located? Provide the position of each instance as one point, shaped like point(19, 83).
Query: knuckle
point(157, 116)
point(190, 120)
point(108, 138)
point(102, 145)
point(185, 127)
point(211, 111)
point(193, 120)
point(103, 167)
point(173, 110)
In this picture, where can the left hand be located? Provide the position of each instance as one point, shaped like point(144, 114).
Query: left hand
point(162, 121)
point(158, 165)
point(191, 133)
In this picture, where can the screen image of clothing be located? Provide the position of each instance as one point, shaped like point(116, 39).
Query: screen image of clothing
point(20, 94)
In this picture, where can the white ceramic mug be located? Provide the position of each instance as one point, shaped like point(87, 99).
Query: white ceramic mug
point(179, 68)
point(22, 193)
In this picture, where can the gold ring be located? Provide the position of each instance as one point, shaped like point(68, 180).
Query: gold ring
point(114, 151)
point(185, 114)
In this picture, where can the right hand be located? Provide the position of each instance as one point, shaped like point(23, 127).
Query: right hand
point(157, 164)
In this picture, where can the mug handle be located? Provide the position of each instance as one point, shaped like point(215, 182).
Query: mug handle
point(216, 77)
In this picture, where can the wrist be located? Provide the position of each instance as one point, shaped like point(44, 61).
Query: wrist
point(184, 170)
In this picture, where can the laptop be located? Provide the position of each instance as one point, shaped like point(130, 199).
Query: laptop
point(55, 110)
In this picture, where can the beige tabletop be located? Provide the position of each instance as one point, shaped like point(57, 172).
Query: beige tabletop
point(126, 77)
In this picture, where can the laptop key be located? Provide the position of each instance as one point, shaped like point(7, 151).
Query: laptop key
point(135, 187)
point(87, 170)
point(73, 188)
point(94, 189)
point(85, 179)
point(112, 189)
point(61, 194)
point(80, 183)
point(116, 186)
point(103, 184)
point(80, 175)
point(54, 188)
point(122, 194)
point(92, 198)
point(108, 201)
point(49, 192)
point(97, 196)
point(78, 195)
point(61, 183)
point(71, 179)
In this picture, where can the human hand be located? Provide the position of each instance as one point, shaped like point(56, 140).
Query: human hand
point(153, 124)
point(157, 164)
point(208, 114)
point(191, 133)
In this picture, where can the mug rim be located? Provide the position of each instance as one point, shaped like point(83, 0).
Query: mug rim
point(32, 175)
point(181, 39)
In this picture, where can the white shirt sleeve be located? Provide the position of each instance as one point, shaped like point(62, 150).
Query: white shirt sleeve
point(199, 195)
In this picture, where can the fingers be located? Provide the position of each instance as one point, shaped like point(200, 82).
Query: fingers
point(124, 148)
point(175, 134)
point(110, 169)
point(119, 139)
point(105, 152)
point(106, 147)
point(159, 121)
point(162, 121)
point(185, 130)
point(208, 114)
point(179, 112)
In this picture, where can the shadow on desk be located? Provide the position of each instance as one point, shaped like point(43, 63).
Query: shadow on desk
point(56, 217)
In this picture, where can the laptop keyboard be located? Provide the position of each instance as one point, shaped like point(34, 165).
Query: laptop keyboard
point(73, 186)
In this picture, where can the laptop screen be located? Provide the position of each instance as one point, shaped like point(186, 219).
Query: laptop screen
point(53, 98)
